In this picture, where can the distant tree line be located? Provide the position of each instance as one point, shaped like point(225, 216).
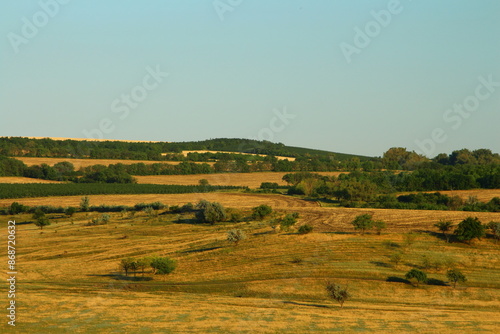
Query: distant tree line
point(376, 189)
point(82, 189)
point(18, 146)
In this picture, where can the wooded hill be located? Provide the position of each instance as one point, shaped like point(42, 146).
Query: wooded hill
point(22, 146)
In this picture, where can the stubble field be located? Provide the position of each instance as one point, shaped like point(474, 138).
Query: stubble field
point(69, 279)
point(79, 163)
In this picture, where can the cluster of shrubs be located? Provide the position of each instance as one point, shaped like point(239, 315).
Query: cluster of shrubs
point(436, 201)
point(159, 265)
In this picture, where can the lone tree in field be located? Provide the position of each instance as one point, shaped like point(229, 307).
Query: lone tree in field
point(42, 221)
point(363, 222)
point(417, 276)
point(337, 293)
point(469, 229)
point(444, 226)
point(235, 236)
point(85, 204)
point(454, 275)
point(203, 182)
point(163, 265)
point(261, 211)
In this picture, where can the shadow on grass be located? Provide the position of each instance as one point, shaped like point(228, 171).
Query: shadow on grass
point(395, 279)
point(434, 281)
point(190, 221)
point(120, 277)
point(448, 238)
point(381, 264)
point(341, 233)
point(264, 233)
point(391, 244)
point(201, 250)
point(304, 304)
point(25, 223)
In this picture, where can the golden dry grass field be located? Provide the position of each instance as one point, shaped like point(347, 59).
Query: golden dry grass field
point(484, 195)
point(251, 180)
point(185, 153)
point(69, 279)
point(16, 179)
point(324, 219)
point(78, 163)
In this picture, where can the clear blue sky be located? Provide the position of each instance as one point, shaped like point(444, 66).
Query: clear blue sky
point(232, 67)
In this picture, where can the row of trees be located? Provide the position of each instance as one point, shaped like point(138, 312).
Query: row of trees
point(341, 294)
point(82, 189)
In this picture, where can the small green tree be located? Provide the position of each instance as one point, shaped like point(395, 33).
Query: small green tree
point(469, 229)
point(305, 229)
point(16, 208)
point(85, 204)
point(379, 226)
point(42, 221)
point(261, 211)
point(143, 263)
point(363, 222)
point(203, 182)
point(454, 275)
point(214, 212)
point(70, 211)
point(287, 222)
point(134, 266)
point(127, 264)
point(337, 293)
point(416, 275)
point(444, 226)
point(235, 236)
point(163, 265)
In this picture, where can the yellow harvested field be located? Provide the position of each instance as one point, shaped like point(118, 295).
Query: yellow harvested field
point(78, 163)
point(324, 219)
point(15, 179)
point(96, 140)
point(226, 199)
point(69, 279)
point(252, 180)
point(185, 153)
point(484, 195)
